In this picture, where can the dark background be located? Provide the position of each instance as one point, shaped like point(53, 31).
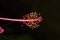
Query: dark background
point(49, 28)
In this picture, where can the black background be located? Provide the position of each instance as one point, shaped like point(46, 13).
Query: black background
point(49, 9)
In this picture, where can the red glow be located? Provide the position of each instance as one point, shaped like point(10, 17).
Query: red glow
point(40, 19)
point(22, 20)
point(1, 30)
